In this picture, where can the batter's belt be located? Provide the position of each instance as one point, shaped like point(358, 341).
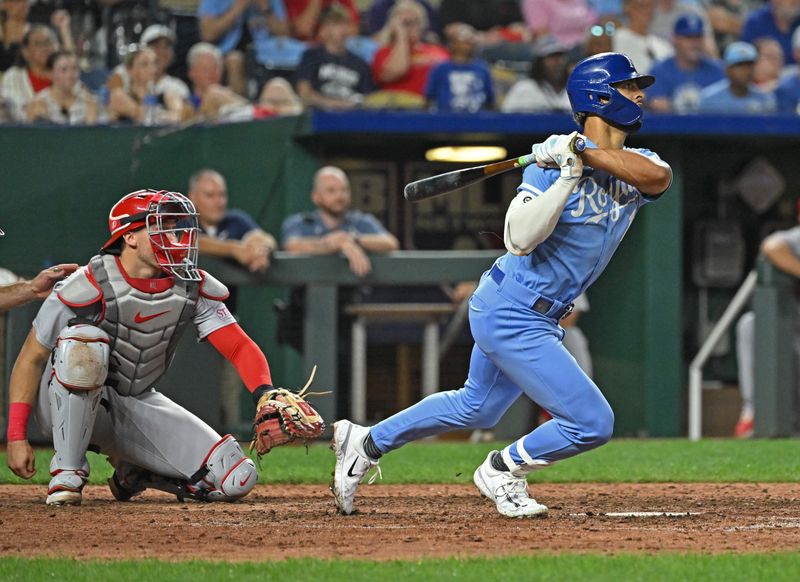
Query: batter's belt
point(512, 289)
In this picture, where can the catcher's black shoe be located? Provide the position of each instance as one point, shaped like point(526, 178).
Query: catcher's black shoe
point(121, 491)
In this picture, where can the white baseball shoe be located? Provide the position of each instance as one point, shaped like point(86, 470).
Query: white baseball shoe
point(352, 463)
point(66, 488)
point(509, 492)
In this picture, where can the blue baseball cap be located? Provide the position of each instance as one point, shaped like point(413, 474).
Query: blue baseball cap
point(689, 25)
point(739, 52)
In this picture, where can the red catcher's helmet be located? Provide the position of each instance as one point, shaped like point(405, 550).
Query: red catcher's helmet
point(171, 222)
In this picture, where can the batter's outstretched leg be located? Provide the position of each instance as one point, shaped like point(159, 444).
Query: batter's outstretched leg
point(80, 366)
point(485, 397)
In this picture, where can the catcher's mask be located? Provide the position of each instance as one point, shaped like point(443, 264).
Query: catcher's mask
point(171, 222)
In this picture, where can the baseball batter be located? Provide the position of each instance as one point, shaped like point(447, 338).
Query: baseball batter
point(100, 343)
point(570, 214)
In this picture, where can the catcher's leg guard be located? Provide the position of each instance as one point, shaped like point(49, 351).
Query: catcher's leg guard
point(226, 474)
point(80, 366)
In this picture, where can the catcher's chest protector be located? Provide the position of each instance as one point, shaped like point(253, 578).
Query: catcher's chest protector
point(144, 327)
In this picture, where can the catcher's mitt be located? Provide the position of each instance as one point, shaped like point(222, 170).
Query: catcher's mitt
point(283, 415)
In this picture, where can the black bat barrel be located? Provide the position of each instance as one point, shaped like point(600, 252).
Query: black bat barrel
point(442, 184)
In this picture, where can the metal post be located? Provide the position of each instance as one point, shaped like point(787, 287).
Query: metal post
point(430, 358)
point(696, 367)
point(358, 386)
point(320, 343)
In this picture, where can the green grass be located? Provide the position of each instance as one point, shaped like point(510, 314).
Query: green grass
point(668, 567)
point(636, 461)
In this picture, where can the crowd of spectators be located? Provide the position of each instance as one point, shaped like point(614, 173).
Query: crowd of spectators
point(181, 61)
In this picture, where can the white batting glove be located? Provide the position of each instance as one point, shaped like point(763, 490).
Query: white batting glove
point(543, 152)
point(556, 151)
point(569, 161)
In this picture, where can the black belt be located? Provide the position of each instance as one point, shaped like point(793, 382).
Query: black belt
point(536, 302)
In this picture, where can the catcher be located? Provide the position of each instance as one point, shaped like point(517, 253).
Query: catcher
point(107, 334)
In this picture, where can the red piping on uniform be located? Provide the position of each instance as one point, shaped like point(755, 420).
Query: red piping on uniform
point(222, 440)
point(206, 295)
point(154, 285)
point(87, 271)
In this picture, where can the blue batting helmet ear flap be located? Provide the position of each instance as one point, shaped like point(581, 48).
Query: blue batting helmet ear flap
point(591, 90)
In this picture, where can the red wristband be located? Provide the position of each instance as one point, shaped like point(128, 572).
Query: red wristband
point(18, 413)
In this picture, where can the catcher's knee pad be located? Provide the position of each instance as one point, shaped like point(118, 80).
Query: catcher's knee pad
point(229, 474)
point(80, 358)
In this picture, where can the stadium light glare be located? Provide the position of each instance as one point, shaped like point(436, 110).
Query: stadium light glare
point(473, 154)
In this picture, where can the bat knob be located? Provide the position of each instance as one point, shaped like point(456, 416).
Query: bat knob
point(578, 145)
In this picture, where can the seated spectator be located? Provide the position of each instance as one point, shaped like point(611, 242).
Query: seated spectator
point(223, 22)
point(13, 25)
point(683, 76)
point(737, 94)
point(378, 15)
point(161, 39)
point(502, 32)
point(20, 83)
point(211, 101)
point(667, 13)
point(141, 102)
point(205, 68)
point(334, 228)
point(634, 39)
point(546, 89)
point(304, 16)
point(329, 75)
point(462, 84)
point(66, 100)
point(227, 233)
point(280, 98)
point(403, 63)
point(565, 20)
point(787, 92)
point(769, 64)
point(776, 20)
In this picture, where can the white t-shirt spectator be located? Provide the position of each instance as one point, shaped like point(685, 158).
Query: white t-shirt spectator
point(642, 50)
point(528, 96)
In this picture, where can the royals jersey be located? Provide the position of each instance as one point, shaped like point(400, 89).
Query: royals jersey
point(570, 259)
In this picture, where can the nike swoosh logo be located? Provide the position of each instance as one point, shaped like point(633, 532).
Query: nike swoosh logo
point(241, 483)
point(139, 318)
point(350, 470)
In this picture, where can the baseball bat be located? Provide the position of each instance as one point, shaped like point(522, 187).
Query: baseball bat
point(444, 183)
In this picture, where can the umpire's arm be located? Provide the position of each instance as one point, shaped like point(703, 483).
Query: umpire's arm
point(652, 177)
point(23, 389)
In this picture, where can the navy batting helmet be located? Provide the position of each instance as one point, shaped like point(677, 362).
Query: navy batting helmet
point(591, 89)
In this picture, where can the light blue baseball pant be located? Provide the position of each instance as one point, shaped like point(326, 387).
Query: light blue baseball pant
point(516, 351)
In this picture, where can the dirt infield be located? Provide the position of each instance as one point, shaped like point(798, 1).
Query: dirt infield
point(404, 521)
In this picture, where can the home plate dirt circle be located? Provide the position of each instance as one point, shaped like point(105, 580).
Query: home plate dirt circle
point(405, 522)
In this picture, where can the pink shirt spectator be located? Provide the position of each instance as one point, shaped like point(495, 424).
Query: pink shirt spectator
point(566, 20)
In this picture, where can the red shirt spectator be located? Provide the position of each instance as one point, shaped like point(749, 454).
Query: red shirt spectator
point(304, 15)
point(404, 62)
